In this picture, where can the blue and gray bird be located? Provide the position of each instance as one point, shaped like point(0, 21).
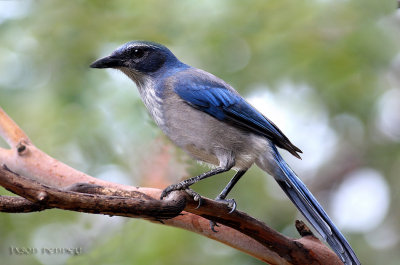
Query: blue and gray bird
point(210, 120)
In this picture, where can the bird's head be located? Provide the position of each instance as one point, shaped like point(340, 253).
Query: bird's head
point(139, 60)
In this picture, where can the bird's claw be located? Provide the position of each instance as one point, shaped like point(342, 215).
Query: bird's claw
point(213, 225)
point(231, 203)
point(170, 188)
point(179, 186)
point(196, 197)
point(164, 193)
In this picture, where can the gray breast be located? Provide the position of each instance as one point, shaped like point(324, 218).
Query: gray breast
point(206, 138)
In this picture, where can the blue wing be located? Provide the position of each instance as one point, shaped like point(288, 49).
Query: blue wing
point(225, 104)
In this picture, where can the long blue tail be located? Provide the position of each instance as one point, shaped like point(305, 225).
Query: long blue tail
point(308, 206)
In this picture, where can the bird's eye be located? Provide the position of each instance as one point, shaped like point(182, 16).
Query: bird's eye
point(138, 53)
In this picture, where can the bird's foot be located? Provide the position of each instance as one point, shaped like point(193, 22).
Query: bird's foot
point(167, 190)
point(231, 203)
point(181, 186)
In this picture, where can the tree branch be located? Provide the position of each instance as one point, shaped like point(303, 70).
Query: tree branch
point(14, 204)
point(45, 182)
point(136, 204)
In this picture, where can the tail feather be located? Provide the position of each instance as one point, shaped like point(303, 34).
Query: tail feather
point(310, 208)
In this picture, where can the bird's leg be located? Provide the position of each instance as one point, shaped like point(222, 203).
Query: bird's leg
point(221, 197)
point(184, 185)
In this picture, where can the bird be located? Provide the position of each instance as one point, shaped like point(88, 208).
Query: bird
point(213, 123)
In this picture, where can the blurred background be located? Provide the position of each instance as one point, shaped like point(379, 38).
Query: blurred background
point(326, 72)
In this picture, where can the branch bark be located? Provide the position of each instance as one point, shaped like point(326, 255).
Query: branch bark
point(44, 182)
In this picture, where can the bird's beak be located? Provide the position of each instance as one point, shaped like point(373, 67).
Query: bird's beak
point(108, 62)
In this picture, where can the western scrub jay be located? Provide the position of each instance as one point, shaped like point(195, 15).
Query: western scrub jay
point(210, 120)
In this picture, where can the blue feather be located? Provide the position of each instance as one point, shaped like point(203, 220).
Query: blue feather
point(312, 210)
point(227, 105)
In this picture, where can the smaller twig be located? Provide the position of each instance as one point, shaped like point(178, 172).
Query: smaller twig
point(16, 204)
point(10, 131)
point(303, 229)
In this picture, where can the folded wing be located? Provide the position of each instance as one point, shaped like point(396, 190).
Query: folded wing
point(225, 104)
